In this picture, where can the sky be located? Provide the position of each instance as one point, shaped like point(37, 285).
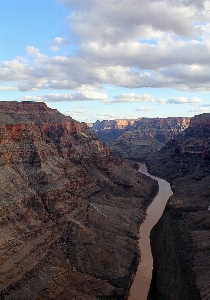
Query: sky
point(110, 59)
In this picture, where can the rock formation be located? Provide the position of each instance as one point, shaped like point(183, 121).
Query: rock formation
point(110, 130)
point(69, 210)
point(181, 239)
point(146, 136)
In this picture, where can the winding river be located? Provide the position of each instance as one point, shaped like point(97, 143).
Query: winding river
point(141, 284)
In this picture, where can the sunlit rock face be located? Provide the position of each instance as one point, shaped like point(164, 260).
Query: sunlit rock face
point(181, 239)
point(146, 136)
point(109, 130)
point(69, 210)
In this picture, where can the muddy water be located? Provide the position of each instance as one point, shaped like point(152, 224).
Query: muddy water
point(140, 287)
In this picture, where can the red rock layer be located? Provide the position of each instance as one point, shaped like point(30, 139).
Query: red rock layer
point(200, 120)
point(69, 210)
point(180, 240)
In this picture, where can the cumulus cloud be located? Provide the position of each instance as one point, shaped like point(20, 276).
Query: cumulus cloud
point(82, 106)
point(161, 101)
point(113, 21)
point(201, 109)
point(183, 100)
point(205, 105)
point(58, 42)
point(156, 44)
point(167, 52)
point(89, 96)
point(74, 111)
point(31, 50)
point(8, 88)
point(144, 109)
point(68, 97)
point(71, 73)
point(112, 116)
point(79, 115)
point(132, 97)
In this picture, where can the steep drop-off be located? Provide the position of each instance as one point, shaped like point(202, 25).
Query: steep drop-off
point(146, 136)
point(69, 210)
point(181, 239)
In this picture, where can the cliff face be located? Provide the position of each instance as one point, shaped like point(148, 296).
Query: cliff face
point(110, 130)
point(180, 240)
point(69, 210)
point(146, 136)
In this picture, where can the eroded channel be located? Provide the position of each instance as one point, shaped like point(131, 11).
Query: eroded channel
point(141, 284)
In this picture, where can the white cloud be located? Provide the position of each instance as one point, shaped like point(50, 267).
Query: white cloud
point(132, 97)
point(144, 109)
point(8, 88)
point(71, 73)
point(113, 116)
point(89, 96)
point(58, 42)
point(78, 115)
point(183, 100)
point(113, 21)
point(156, 44)
point(201, 109)
point(31, 50)
point(68, 97)
point(205, 105)
point(74, 112)
point(161, 101)
point(82, 106)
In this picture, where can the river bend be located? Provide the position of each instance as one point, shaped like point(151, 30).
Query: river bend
point(141, 284)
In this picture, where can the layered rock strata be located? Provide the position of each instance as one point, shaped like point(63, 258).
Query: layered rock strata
point(181, 239)
point(69, 210)
point(110, 130)
point(146, 136)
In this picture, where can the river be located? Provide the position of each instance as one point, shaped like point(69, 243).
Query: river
point(141, 284)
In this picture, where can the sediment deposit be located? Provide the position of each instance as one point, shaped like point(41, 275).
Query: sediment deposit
point(69, 210)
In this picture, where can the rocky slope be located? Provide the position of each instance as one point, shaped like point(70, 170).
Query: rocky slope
point(146, 136)
point(109, 130)
point(69, 210)
point(181, 239)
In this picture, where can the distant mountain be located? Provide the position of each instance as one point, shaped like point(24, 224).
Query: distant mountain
point(181, 239)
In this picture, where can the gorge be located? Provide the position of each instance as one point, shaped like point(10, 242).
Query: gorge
point(70, 210)
point(180, 239)
point(136, 139)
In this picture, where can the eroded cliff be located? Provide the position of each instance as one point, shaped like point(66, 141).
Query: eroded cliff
point(146, 136)
point(181, 239)
point(110, 130)
point(69, 210)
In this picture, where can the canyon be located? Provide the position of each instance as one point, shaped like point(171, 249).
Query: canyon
point(141, 137)
point(177, 149)
point(69, 209)
point(110, 130)
point(180, 240)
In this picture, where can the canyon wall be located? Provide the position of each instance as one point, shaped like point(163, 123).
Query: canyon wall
point(146, 136)
point(181, 239)
point(69, 209)
point(109, 130)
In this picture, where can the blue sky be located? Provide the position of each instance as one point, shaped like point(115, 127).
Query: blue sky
point(96, 60)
